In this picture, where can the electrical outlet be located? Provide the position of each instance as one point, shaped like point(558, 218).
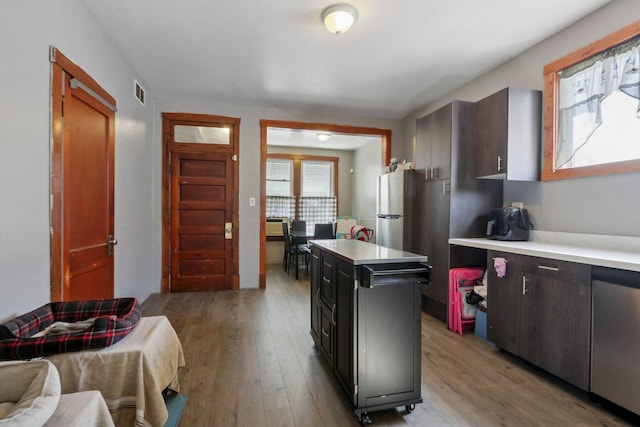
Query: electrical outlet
point(252, 201)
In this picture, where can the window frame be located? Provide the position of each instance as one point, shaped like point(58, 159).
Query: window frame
point(291, 177)
point(297, 173)
point(551, 99)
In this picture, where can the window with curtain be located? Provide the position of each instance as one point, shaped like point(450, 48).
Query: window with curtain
point(599, 106)
point(310, 191)
point(317, 202)
point(592, 119)
point(280, 201)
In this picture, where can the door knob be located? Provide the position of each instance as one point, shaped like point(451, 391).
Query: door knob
point(111, 242)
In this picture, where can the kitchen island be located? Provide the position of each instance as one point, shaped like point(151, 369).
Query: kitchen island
point(365, 320)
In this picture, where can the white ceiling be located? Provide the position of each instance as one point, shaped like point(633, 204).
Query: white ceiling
point(309, 139)
point(399, 56)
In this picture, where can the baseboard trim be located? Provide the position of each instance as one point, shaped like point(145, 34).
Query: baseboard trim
point(434, 308)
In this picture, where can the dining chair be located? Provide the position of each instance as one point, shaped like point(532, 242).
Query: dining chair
point(292, 251)
point(298, 225)
point(323, 231)
point(301, 226)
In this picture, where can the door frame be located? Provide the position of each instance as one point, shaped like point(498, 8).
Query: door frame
point(61, 65)
point(168, 119)
point(385, 158)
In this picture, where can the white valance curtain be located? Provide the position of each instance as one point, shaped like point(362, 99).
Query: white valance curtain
point(583, 87)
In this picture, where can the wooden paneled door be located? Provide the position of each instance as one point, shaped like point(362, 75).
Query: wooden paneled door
point(200, 200)
point(82, 191)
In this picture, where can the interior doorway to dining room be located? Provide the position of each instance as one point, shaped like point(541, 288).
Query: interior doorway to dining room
point(295, 150)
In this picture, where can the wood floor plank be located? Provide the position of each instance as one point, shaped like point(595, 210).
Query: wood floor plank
point(251, 362)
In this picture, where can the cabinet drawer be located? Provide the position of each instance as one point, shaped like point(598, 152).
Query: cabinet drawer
point(327, 279)
point(556, 269)
point(326, 333)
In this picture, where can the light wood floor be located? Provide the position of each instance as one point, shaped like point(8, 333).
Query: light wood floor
point(251, 362)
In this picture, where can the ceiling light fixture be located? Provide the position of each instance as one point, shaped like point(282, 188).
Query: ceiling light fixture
point(339, 17)
point(323, 137)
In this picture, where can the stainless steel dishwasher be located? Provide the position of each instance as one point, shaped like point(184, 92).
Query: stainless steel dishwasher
point(615, 354)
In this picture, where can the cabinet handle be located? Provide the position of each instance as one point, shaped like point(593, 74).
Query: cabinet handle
point(524, 285)
point(318, 298)
point(333, 314)
point(325, 333)
point(544, 267)
point(499, 163)
point(444, 188)
point(324, 279)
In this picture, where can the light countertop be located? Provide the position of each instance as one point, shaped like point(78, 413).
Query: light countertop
point(360, 252)
point(621, 252)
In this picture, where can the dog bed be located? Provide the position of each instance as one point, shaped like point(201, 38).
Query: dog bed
point(61, 327)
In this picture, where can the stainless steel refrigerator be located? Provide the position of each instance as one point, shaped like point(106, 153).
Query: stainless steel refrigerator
point(394, 219)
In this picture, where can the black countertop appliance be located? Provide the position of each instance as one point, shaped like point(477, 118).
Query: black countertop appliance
point(508, 223)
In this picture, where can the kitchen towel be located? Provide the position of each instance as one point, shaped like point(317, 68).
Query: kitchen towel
point(500, 264)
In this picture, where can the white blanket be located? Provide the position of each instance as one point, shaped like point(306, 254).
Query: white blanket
point(130, 374)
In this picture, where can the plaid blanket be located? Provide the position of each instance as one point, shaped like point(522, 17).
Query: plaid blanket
point(114, 319)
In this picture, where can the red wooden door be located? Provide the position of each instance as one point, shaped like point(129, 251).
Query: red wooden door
point(201, 259)
point(82, 187)
point(200, 224)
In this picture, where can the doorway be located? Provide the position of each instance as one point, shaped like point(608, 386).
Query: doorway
point(82, 184)
point(200, 203)
point(265, 125)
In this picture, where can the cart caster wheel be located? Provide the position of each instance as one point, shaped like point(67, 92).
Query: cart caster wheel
point(364, 419)
point(410, 408)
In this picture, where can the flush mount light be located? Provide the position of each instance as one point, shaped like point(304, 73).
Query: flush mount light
point(323, 137)
point(339, 17)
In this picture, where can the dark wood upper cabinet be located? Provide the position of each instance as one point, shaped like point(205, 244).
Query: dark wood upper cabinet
point(507, 135)
point(434, 152)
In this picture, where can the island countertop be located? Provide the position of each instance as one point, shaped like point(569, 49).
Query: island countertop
point(359, 252)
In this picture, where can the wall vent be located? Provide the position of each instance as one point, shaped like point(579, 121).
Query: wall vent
point(139, 93)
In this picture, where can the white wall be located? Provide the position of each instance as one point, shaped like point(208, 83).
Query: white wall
point(27, 29)
point(599, 205)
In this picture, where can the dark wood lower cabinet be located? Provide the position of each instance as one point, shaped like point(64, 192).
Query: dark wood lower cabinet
point(344, 327)
point(541, 311)
point(503, 295)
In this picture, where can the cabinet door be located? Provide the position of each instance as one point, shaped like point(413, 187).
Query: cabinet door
point(435, 239)
point(490, 149)
point(440, 133)
point(424, 142)
point(326, 332)
point(344, 329)
point(327, 279)
point(315, 294)
point(503, 296)
point(555, 327)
